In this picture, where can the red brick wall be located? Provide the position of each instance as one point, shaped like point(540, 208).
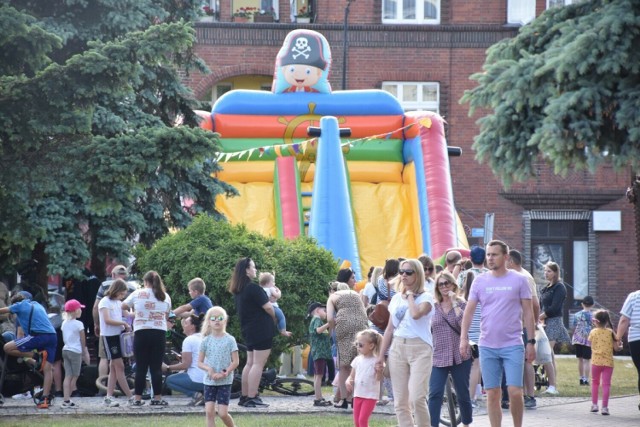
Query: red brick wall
point(476, 190)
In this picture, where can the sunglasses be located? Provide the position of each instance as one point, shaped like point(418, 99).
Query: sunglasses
point(407, 272)
point(359, 345)
point(218, 318)
point(444, 284)
point(428, 269)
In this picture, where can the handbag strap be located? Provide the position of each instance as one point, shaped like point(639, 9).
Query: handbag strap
point(445, 319)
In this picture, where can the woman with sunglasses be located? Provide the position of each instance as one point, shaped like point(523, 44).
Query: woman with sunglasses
point(257, 323)
point(445, 326)
point(411, 351)
point(346, 314)
point(189, 382)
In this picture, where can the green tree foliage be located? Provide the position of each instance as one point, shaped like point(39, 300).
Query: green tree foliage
point(209, 249)
point(566, 89)
point(91, 156)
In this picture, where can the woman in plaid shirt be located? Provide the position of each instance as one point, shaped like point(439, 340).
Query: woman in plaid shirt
point(445, 327)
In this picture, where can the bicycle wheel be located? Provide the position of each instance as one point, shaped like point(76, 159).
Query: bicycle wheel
point(101, 383)
point(292, 386)
point(450, 415)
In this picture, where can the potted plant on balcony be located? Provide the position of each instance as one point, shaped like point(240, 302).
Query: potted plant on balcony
point(208, 14)
point(264, 15)
point(244, 14)
point(303, 16)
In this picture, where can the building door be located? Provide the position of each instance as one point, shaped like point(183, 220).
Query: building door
point(565, 243)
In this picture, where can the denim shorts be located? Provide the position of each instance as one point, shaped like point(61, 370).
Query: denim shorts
point(494, 360)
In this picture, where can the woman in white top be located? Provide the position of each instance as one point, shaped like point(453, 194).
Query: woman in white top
point(151, 306)
point(411, 351)
point(191, 381)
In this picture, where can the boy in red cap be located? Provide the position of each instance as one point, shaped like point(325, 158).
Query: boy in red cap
point(74, 350)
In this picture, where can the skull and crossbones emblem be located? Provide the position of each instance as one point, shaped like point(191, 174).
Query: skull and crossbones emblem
point(301, 48)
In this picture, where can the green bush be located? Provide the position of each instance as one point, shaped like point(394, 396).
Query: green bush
point(209, 249)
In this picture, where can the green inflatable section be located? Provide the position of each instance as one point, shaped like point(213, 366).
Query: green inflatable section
point(383, 150)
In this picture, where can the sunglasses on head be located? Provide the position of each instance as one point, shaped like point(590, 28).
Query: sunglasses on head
point(443, 284)
point(218, 318)
point(407, 272)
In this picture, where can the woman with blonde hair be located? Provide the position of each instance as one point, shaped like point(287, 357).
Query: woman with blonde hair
point(445, 326)
point(411, 353)
point(346, 314)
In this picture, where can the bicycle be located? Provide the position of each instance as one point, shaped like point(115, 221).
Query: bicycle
point(270, 381)
point(450, 415)
point(171, 356)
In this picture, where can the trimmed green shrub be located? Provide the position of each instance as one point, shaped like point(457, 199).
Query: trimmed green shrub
point(209, 249)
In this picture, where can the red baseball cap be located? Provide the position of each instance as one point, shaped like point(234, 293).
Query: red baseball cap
point(72, 305)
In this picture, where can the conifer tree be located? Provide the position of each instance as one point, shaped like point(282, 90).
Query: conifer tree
point(99, 144)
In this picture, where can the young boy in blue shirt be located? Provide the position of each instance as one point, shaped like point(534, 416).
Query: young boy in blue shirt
point(199, 304)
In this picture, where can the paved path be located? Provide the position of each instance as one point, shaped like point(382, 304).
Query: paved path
point(551, 412)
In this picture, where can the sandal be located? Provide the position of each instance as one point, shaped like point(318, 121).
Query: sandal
point(160, 402)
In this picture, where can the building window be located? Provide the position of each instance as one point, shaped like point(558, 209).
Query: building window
point(557, 3)
point(415, 96)
point(219, 90)
point(411, 11)
point(521, 12)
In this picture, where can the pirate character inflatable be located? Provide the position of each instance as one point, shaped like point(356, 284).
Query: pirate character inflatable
point(303, 63)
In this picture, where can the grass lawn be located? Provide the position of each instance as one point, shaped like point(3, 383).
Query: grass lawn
point(623, 383)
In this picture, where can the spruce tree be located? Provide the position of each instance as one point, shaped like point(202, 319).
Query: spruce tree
point(99, 144)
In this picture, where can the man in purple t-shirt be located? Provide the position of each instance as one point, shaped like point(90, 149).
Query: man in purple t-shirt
point(505, 297)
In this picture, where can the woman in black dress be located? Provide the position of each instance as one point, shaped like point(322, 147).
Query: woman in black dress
point(257, 322)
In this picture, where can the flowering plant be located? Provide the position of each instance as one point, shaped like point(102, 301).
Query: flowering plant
point(304, 12)
point(208, 11)
point(265, 12)
point(245, 12)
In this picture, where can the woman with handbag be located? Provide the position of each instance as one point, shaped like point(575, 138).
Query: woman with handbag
point(112, 325)
point(346, 314)
point(411, 352)
point(445, 327)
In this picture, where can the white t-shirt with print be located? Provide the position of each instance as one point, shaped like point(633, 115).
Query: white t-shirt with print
point(149, 312)
point(114, 306)
point(405, 325)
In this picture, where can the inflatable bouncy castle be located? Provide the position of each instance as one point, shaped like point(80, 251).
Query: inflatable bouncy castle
point(349, 168)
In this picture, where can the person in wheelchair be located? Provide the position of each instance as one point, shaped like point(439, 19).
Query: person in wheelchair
point(38, 345)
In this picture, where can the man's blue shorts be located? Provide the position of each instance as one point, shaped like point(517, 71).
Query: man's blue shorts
point(39, 342)
point(494, 360)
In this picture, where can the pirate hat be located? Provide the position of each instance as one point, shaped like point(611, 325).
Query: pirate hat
point(305, 49)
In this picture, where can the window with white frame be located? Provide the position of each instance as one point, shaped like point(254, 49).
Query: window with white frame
point(219, 90)
point(411, 11)
point(557, 3)
point(415, 96)
point(521, 11)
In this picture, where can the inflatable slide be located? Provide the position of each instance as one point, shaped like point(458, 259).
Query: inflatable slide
point(349, 168)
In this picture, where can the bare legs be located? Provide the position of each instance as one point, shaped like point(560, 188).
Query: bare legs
point(343, 375)
point(550, 368)
point(116, 374)
point(252, 371)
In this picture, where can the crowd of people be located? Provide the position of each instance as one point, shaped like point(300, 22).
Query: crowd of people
point(474, 319)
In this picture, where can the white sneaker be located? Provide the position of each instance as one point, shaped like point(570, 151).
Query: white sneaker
point(552, 391)
point(110, 402)
point(22, 396)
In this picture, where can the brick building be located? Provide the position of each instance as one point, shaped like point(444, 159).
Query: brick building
point(582, 221)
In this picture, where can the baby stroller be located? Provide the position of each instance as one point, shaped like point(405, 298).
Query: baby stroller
point(16, 378)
